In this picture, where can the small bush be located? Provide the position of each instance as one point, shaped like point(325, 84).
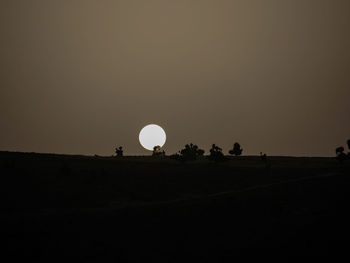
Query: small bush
point(119, 151)
point(237, 150)
point(341, 156)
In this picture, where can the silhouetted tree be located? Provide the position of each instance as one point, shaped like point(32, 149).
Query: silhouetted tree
point(191, 152)
point(119, 151)
point(216, 153)
point(341, 156)
point(157, 151)
point(237, 150)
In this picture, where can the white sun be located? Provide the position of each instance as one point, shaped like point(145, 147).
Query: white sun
point(152, 135)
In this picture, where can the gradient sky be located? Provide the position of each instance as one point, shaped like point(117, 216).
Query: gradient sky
point(85, 76)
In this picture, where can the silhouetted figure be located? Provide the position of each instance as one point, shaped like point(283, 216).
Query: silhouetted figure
point(348, 142)
point(191, 152)
point(216, 153)
point(157, 151)
point(119, 151)
point(341, 156)
point(237, 150)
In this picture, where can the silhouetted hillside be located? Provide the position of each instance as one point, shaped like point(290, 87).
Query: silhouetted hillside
point(133, 208)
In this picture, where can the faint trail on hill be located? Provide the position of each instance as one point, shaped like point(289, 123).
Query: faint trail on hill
point(247, 189)
point(115, 206)
point(251, 188)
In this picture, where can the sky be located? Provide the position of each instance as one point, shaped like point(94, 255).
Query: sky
point(84, 76)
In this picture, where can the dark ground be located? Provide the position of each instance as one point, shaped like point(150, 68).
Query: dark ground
point(141, 208)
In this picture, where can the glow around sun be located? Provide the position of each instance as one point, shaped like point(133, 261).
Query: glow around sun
point(152, 135)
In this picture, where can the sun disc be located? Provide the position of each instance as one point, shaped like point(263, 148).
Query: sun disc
point(152, 135)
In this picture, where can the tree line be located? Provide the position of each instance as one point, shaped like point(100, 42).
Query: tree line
point(192, 152)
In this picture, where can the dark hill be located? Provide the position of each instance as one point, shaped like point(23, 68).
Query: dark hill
point(138, 208)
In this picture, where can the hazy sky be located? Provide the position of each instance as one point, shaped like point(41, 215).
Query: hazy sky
point(85, 76)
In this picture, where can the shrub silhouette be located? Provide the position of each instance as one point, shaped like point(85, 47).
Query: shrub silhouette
point(341, 156)
point(216, 153)
point(237, 150)
point(157, 151)
point(339, 150)
point(190, 153)
point(119, 151)
point(263, 157)
point(175, 156)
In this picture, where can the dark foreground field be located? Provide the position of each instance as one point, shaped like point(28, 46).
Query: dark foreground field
point(140, 208)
